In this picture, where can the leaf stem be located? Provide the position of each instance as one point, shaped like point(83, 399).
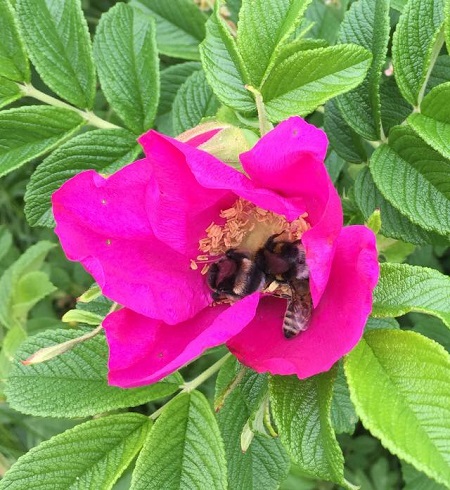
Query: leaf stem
point(30, 91)
point(191, 385)
point(264, 124)
point(434, 54)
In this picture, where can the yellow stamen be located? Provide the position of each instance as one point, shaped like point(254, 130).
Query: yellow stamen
point(247, 227)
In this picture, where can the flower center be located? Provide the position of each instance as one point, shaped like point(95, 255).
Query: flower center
point(246, 227)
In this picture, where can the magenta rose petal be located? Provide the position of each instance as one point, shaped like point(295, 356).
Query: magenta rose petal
point(336, 325)
point(143, 350)
point(191, 180)
point(289, 160)
point(102, 223)
point(179, 208)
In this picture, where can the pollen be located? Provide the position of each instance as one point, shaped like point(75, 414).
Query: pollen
point(246, 227)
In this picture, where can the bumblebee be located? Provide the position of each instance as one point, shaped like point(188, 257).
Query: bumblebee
point(238, 274)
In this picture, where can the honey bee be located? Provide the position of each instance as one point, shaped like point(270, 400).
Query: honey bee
point(278, 262)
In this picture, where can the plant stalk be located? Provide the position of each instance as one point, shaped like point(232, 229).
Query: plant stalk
point(30, 91)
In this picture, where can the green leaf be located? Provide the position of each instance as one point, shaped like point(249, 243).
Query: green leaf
point(5, 241)
point(194, 101)
point(431, 327)
point(91, 455)
point(403, 288)
point(394, 108)
point(223, 65)
point(366, 24)
point(301, 409)
point(433, 122)
point(172, 78)
point(13, 59)
point(265, 463)
point(193, 455)
point(59, 45)
point(9, 90)
point(335, 164)
point(28, 132)
point(29, 290)
point(343, 415)
point(322, 20)
point(414, 480)
point(74, 383)
point(103, 150)
point(10, 343)
point(264, 26)
point(302, 81)
point(128, 66)
point(414, 179)
point(180, 26)
point(399, 383)
point(447, 24)
point(12, 281)
point(440, 72)
point(393, 223)
point(379, 323)
point(343, 139)
point(416, 44)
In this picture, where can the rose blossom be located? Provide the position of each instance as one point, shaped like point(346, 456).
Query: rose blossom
point(147, 233)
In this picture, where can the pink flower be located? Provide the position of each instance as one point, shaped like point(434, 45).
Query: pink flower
point(138, 233)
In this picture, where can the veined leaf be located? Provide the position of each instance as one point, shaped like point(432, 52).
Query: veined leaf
point(433, 122)
point(366, 24)
point(334, 164)
point(400, 383)
point(9, 90)
point(380, 323)
point(28, 132)
point(393, 223)
point(414, 179)
point(343, 415)
point(172, 78)
point(264, 26)
point(301, 409)
point(403, 288)
point(447, 24)
point(103, 150)
point(128, 66)
point(194, 101)
point(223, 65)
point(12, 282)
point(416, 44)
point(57, 39)
point(343, 139)
point(180, 26)
point(394, 108)
point(265, 463)
point(73, 384)
point(91, 455)
point(440, 72)
point(13, 59)
point(302, 81)
point(193, 455)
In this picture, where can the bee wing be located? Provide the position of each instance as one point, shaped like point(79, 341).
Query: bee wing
point(299, 309)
